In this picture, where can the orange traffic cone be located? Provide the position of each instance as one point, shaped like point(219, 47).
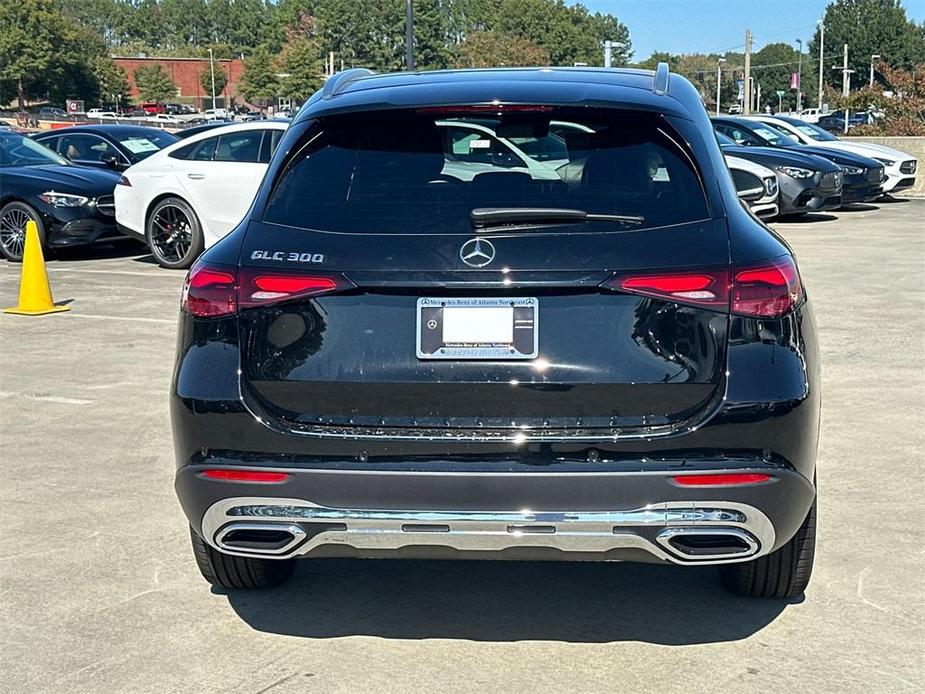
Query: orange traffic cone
point(34, 292)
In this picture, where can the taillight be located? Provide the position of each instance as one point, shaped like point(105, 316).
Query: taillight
point(212, 291)
point(704, 288)
point(209, 291)
point(259, 288)
point(123, 181)
point(766, 290)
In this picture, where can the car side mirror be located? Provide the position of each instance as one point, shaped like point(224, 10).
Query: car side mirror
point(751, 194)
point(112, 162)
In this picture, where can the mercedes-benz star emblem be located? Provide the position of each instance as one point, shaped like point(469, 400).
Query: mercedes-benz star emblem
point(477, 252)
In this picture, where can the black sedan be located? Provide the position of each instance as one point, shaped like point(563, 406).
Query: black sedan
point(807, 183)
point(863, 177)
point(106, 146)
point(71, 205)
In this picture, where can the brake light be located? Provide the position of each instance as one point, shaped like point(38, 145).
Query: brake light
point(209, 292)
point(212, 291)
point(123, 181)
point(482, 109)
point(723, 479)
point(259, 288)
point(768, 290)
point(246, 476)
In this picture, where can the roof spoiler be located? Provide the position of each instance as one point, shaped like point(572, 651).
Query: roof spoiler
point(660, 85)
point(338, 81)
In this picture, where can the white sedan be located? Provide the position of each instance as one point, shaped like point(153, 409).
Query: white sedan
point(186, 197)
point(899, 167)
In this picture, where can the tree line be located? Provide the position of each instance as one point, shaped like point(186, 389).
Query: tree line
point(58, 49)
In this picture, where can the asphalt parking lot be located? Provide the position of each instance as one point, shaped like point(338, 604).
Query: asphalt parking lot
point(99, 591)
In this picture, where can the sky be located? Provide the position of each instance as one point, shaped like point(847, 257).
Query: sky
point(717, 26)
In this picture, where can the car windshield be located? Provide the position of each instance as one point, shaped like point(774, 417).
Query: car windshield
point(144, 143)
point(773, 136)
point(424, 171)
point(16, 150)
point(815, 132)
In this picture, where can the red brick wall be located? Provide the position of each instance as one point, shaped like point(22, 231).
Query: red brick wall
point(185, 74)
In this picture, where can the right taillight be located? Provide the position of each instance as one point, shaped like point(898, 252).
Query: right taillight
point(764, 290)
point(768, 290)
point(213, 290)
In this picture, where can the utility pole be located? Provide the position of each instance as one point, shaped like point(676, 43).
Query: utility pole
point(747, 106)
point(821, 54)
point(608, 53)
point(212, 70)
point(800, 77)
point(845, 82)
point(409, 34)
point(758, 98)
point(719, 79)
point(874, 57)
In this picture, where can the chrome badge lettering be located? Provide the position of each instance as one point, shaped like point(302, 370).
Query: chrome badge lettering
point(288, 257)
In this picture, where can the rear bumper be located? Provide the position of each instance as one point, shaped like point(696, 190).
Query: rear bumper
point(598, 516)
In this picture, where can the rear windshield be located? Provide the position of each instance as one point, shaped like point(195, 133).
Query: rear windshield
point(425, 171)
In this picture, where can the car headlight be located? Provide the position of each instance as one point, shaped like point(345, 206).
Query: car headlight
point(853, 170)
point(885, 162)
point(63, 199)
point(796, 172)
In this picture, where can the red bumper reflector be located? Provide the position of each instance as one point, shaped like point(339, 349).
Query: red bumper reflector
point(245, 476)
point(716, 480)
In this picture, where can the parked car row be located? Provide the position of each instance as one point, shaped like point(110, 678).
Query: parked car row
point(180, 193)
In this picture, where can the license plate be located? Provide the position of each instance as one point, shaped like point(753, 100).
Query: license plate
point(483, 328)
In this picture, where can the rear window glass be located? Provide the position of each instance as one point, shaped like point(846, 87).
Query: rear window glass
point(424, 172)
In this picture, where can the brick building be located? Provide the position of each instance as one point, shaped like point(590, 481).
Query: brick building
point(185, 74)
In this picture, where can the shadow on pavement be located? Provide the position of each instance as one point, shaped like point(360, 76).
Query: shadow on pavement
point(117, 248)
point(858, 207)
point(888, 199)
point(809, 218)
point(505, 601)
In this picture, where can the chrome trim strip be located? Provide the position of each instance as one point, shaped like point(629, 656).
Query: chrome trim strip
point(568, 531)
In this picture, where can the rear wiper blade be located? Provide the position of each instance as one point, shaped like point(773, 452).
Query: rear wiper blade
point(499, 216)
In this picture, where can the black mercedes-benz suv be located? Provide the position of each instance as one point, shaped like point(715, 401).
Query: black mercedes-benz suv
point(514, 313)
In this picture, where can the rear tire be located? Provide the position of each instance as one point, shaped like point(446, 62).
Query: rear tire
point(784, 573)
point(174, 234)
point(236, 573)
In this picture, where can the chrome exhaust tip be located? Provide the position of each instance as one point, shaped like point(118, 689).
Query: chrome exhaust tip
point(259, 538)
point(708, 544)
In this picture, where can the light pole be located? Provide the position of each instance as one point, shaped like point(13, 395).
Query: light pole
point(212, 70)
point(609, 47)
point(409, 34)
point(800, 76)
point(821, 54)
point(875, 56)
point(719, 78)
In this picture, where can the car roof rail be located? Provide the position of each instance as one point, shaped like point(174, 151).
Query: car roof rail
point(660, 85)
point(339, 80)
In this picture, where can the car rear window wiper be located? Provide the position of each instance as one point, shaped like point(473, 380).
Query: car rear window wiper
point(483, 217)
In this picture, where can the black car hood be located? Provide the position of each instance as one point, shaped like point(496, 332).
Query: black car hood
point(776, 156)
point(79, 180)
point(838, 156)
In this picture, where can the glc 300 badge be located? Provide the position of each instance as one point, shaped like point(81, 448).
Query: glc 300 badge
point(288, 257)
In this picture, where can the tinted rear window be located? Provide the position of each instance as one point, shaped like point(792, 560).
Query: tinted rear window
point(413, 172)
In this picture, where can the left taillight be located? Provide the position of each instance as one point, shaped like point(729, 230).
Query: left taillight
point(123, 181)
point(212, 290)
point(209, 291)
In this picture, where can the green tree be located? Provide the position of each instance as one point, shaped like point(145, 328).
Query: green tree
point(301, 62)
point(772, 67)
point(113, 82)
point(205, 79)
point(491, 49)
point(154, 84)
point(32, 33)
point(259, 83)
point(869, 27)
